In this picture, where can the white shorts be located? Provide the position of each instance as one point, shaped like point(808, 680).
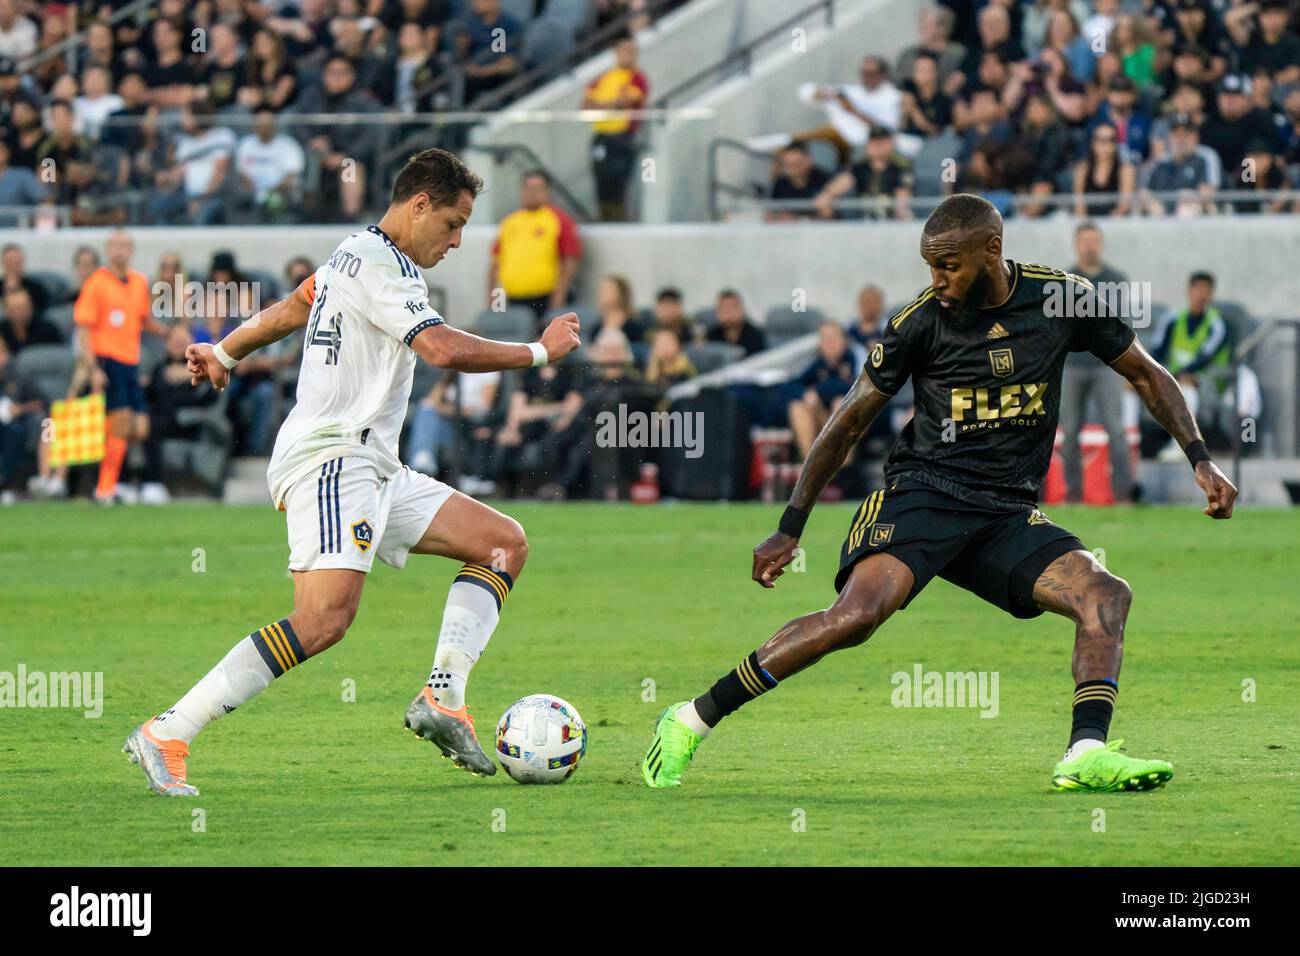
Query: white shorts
point(345, 513)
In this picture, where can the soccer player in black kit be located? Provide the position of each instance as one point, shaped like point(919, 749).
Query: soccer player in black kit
point(984, 346)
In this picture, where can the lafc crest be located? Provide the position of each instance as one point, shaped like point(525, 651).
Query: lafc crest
point(1002, 362)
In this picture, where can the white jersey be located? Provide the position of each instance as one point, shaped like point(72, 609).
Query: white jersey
point(369, 302)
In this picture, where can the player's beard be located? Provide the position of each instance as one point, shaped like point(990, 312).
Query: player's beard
point(967, 311)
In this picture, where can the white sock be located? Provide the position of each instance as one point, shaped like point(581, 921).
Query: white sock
point(471, 615)
point(241, 675)
point(1080, 747)
point(691, 718)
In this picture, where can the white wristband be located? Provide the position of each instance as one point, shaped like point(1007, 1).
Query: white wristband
point(539, 353)
point(223, 357)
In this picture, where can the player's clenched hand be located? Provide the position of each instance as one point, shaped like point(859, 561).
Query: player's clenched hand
point(204, 366)
point(771, 557)
point(561, 336)
point(1220, 493)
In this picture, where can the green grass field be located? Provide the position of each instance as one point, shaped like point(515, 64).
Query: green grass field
point(615, 596)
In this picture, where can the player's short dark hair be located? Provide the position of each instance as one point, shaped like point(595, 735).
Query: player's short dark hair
point(1201, 276)
point(965, 212)
point(669, 292)
point(438, 173)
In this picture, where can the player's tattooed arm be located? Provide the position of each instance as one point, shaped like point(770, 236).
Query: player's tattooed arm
point(846, 425)
point(1163, 397)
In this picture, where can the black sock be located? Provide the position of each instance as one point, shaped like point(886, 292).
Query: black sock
point(1094, 703)
point(746, 682)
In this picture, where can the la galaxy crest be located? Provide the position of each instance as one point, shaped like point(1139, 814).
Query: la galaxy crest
point(363, 535)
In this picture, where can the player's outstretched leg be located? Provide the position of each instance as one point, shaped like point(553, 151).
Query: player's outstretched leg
point(876, 588)
point(494, 549)
point(1077, 586)
point(326, 602)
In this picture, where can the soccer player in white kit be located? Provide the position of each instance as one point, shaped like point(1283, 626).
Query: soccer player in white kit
point(336, 476)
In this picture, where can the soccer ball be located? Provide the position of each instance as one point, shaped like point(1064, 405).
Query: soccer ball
point(541, 739)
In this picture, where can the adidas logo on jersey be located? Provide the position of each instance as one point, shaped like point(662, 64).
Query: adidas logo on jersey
point(998, 332)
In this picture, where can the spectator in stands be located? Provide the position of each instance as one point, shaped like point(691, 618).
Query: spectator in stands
point(1192, 342)
point(271, 79)
point(21, 410)
point(167, 73)
point(114, 307)
point(70, 155)
point(865, 330)
point(18, 33)
point(1103, 171)
point(926, 109)
point(1046, 141)
point(671, 315)
point(1237, 124)
point(85, 261)
point(464, 403)
point(122, 127)
point(22, 325)
point(994, 37)
point(1263, 33)
point(935, 41)
point(402, 84)
point(1264, 171)
point(983, 119)
point(201, 157)
point(24, 135)
point(344, 152)
point(616, 389)
point(296, 271)
point(353, 38)
point(854, 109)
point(171, 275)
point(799, 179)
point(167, 394)
point(1184, 171)
point(1187, 100)
point(540, 440)
point(428, 15)
point(1039, 15)
point(1097, 28)
point(613, 147)
point(668, 363)
point(486, 41)
point(536, 253)
point(96, 103)
point(614, 309)
point(222, 69)
point(307, 38)
point(99, 50)
point(819, 389)
point(270, 164)
point(1064, 39)
point(882, 175)
point(13, 265)
point(734, 327)
point(1087, 377)
point(1132, 125)
point(18, 186)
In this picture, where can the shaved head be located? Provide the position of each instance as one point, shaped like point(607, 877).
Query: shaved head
point(962, 244)
point(972, 216)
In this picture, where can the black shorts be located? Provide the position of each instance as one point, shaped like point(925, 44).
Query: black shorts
point(123, 389)
point(998, 555)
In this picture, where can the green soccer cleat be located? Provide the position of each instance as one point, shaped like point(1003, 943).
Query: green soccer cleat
point(670, 751)
point(1106, 770)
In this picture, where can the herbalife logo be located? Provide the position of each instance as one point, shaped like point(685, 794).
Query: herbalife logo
point(922, 688)
point(75, 908)
point(635, 429)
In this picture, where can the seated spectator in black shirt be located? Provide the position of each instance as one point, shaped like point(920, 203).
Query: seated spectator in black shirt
point(733, 327)
point(13, 263)
point(1266, 39)
point(21, 327)
point(1264, 171)
point(429, 16)
point(1236, 125)
point(798, 179)
point(670, 315)
point(488, 63)
point(614, 391)
point(271, 79)
point(402, 83)
point(167, 73)
point(1183, 171)
point(339, 92)
point(354, 38)
point(541, 442)
point(24, 134)
point(819, 389)
point(74, 171)
point(614, 305)
point(926, 109)
point(21, 410)
point(222, 69)
point(882, 174)
point(1047, 142)
point(306, 36)
point(982, 118)
point(169, 392)
point(995, 36)
point(122, 128)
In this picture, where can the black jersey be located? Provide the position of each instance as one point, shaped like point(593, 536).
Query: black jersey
point(988, 391)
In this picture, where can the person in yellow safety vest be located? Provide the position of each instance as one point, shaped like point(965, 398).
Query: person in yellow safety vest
point(1193, 340)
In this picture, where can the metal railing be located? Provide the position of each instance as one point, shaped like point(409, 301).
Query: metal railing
point(741, 60)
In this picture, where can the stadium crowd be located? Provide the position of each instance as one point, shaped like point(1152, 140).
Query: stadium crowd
point(1098, 107)
point(271, 110)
